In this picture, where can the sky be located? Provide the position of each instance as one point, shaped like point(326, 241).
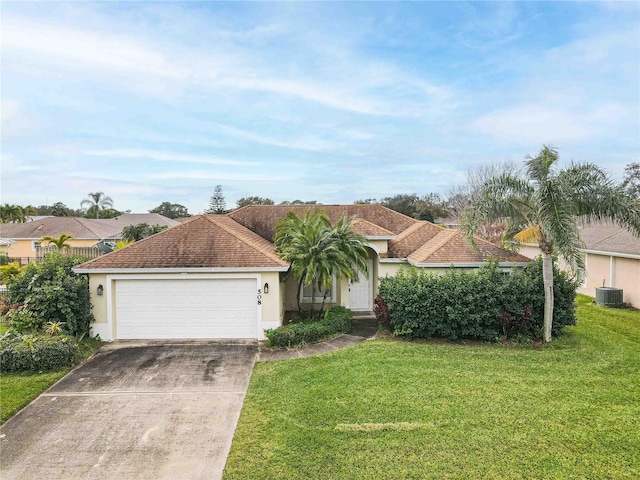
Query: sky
point(334, 102)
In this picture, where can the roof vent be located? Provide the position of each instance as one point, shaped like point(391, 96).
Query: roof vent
point(609, 296)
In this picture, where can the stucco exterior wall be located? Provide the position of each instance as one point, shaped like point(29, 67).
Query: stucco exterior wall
point(24, 248)
point(380, 246)
point(626, 275)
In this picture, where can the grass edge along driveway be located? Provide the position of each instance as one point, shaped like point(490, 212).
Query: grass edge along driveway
point(395, 409)
point(18, 389)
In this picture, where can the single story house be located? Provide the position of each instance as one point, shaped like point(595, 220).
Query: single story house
point(25, 237)
point(218, 276)
point(612, 259)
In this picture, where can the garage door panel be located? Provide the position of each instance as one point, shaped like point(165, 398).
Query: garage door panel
point(186, 308)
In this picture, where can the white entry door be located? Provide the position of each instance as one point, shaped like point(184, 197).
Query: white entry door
point(361, 292)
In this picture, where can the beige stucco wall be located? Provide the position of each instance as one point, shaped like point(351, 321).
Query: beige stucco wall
point(529, 251)
point(381, 246)
point(24, 248)
point(626, 275)
point(98, 302)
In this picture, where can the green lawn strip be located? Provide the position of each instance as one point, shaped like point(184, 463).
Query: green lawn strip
point(19, 389)
point(394, 409)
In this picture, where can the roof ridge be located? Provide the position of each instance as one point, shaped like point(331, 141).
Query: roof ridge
point(247, 241)
point(433, 245)
point(360, 219)
point(408, 231)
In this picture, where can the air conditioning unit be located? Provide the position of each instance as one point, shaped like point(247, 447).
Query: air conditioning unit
point(609, 296)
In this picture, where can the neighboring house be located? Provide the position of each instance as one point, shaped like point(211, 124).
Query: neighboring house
point(5, 243)
point(612, 259)
point(86, 231)
point(218, 276)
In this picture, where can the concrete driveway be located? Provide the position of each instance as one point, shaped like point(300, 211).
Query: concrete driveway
point(152, 411)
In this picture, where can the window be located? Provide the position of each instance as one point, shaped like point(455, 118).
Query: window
point(35, 244)
point(307, 293)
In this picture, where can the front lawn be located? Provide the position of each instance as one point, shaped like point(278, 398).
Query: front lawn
point(394, 409)
point(19, 389)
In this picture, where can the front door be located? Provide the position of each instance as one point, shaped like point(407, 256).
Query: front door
point(360, 292)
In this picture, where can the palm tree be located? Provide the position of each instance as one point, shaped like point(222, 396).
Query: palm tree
point(60, 241)
point(544, 205)
point(97, 201)
point(133, 233)
point(318, 252)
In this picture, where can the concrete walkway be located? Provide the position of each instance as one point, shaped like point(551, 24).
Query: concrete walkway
point(361, 329)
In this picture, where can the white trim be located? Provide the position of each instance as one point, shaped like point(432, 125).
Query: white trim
point(133, 271)
point(613, 254)
point(108, 331)
point(102, 329)
point(393, 260)
point(379, 237)
point(469, 265)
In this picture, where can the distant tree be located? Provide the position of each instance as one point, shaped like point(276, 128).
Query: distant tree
point(464, 196)
point(366, 201)
point(631, 182)
point(133, 233)
point(59, 209)
point(429, 207)
point(300, 202)
point(171, 210)
point(110, 213)
point(402, 203)
point(543, 205)
point(10, 213)
point(60, 241)
point(96, 202)
point(244, 201)
point(217, 203)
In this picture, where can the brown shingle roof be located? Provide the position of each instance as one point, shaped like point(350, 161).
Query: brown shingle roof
point(205, 241)
point(450, 246)
point(262, 219)
point(609, 238)
point(81, 228)
point(368, 229)
point(413, 238)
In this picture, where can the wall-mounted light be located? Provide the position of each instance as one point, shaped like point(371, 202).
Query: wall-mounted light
point(100, 290)
point(266, 288)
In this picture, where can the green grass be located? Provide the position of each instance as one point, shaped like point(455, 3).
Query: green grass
point(18, 389)
point(394, 409)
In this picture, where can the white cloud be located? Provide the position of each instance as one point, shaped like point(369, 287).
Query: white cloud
point(164, 156)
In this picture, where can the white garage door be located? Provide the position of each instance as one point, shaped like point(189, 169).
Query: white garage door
point(186, 308)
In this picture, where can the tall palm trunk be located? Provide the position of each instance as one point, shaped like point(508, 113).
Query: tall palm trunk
point(547, 280)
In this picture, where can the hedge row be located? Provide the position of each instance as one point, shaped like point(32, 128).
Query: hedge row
point(336, 320)
point(36, 352)
point(484, 304)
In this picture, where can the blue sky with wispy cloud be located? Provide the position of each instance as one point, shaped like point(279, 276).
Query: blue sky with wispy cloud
point(156, 101)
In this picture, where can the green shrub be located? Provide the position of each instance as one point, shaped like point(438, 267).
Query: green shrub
point(23, 320)
point(336, 320)
point(36, 352)
point(53, 292)
point(483, 304)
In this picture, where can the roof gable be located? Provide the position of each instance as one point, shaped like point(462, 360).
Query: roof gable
point(205, 241)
